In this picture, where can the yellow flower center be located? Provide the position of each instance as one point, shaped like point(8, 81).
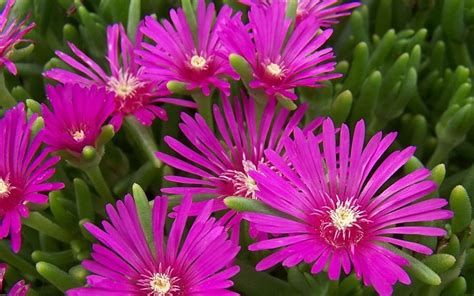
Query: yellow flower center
point(160, 284)
point(343, 217)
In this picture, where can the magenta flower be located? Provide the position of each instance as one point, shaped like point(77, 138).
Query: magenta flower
point(219, 165)
point(342, 206)
point(201, 263)
point(279, 64)
point(77, 116)
point(24, 171)
point(177, 55)
point(11, 33)
point(134, 93)
point(325, 12)
point(19, 289)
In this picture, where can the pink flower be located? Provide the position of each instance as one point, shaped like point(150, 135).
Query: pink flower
point(77, 116)
point(198, 263)
point(280, 60)
point(193, 58)
point(341, 206)
point(135, 94)
point(11, 33)
point(24, 171)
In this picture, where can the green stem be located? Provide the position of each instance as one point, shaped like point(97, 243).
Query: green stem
point(95, 176)
point(6, 99)
point(143, 137)
point(205, 108)
point(48, 227)
point(440, 154)
point(16, 261)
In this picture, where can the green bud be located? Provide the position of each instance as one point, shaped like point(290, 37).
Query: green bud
point(33, 105)
point(438, 173)
point(453, 246)
point(243, 204)
point(395, 74)
point(18, 54)
point(144, 213)
point(54, 63)
point(190, 13)
point(364, 106)
point(452, 20)
point(341, 107)
point(456, 287)
point(383, 49)
point(459, 77)
point(106, 134)
point(461, 206)
point(342, 67)
point(461, 94)
point(61, 259)
point(415, 57)
point(56, 276)
point(412, 165)
point(417, 268)
point(79, 273)
point(85, 206)
point(89, 153)
point(37, 126)
point(419, 37)
point(134, 14)
point(286, 102)
point(358, 70)
point(358, 27)
point(177, 87)
point(71, 34)
point(440, 262)
point(61, 215)
point(438, 55)
point(383, 19)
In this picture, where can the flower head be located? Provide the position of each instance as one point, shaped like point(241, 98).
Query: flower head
point(24, 171)
point(220, 164)
point(134, 93)
point(279, 64)
point(343, 207)
point(199, 263)
point(11, 33)
point(76, 117)
point(325, 12)
point(19, 289)
point(196, 60)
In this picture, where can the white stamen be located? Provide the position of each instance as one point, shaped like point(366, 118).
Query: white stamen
point(125, 85)
point(159, 283)
point(244, 184)
point(4, 188)
point(78, 135)
point(274, 69)
point(198, 62)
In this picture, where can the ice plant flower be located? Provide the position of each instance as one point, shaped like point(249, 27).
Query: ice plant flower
point(19, 289)
point(219, 164)
point(177, 55)
point(325, 12)
point(76, 117)
point(11, 33)
point(199, 263)
point(343, 207)
point(24, 171)
point(134, 94)
point(279, 64)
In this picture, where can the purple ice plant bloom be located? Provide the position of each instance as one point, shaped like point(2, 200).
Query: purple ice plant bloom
point(76, 117)
point(124, 263)
point(24, 172)
point(135, 94)
point(19, 289)
point(341, 206)
point(325, 12)
point(193, 58)
point(218, 164)
point(280, 60)
point(11, 33)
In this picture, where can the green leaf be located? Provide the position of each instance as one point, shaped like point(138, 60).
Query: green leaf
point(59, 278)
point(144, 213)
point(461, 206)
